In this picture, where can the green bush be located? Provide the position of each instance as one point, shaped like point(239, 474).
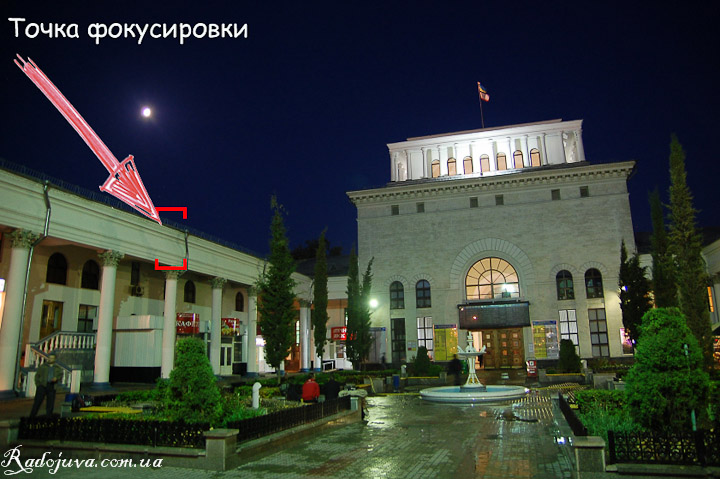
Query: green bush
point(665, 385)
point(590, 399)
point(421, 364)
point(130, 397)
point(600, 420)
point(569, 360)
point(714, 403)
point(192, 393)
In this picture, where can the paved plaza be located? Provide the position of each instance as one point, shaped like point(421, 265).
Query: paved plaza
point(403, 437)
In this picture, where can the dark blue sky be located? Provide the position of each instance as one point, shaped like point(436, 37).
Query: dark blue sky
point(304, 107)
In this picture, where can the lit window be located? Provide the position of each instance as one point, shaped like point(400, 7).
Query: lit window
point(397, 295)
point(565, 288)
point(534, 157)
point(501, 161)
point(492, 278)
point(452, 167)
point(435, 166)
point(593, 283)
point(422, 294)
point(467, 165)
point(568, 326)
point(425, 334)
point(484, 163)
point(710, 300)
point(518, 159)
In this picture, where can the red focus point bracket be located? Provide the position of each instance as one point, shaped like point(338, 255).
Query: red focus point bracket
point(183, 209)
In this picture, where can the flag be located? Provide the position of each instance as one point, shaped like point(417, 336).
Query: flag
point(483, 93)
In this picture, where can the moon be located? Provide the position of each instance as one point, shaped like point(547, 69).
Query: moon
point(146, 112)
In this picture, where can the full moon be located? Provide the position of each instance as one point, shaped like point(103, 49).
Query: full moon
point(146, 112)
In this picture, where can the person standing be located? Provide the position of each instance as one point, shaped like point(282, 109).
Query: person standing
point(455, 369)
point(310, 390)
point(47, 375)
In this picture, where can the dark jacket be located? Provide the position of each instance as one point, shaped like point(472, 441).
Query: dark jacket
point(41, 376)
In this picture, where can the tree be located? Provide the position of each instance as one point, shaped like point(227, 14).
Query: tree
point(667, 381)
point(192, 393)
point(275, 294)
point(569, 361)
point(320, 297)
point(358, 339)
point(686, 246)
point(634, 293)
point(663, 282)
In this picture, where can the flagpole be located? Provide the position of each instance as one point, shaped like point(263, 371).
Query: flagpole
point(482, 117)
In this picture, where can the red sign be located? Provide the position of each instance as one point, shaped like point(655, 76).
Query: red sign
point(532, 368)
point(187, 323)
point(230, 327)
point(338, 334)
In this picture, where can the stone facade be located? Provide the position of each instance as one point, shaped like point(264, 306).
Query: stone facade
point(562, 215)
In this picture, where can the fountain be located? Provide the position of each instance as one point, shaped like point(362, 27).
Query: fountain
point(473, 391)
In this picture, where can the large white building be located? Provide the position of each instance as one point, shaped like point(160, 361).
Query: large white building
point(508, 233)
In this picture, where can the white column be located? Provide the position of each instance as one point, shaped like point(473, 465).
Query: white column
point(493, 154)
point(544, 160)
point(511, 149)
point(409, 165)
point(170, 322)
point(425, 162)
point(103, 342)
point(10, 326)
point(526, 152)
point(215, 324)
point(580, 147)
point(305, 347)
point(252, 360)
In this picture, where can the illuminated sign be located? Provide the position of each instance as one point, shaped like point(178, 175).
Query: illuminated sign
point(338, 334)
point(187, 323)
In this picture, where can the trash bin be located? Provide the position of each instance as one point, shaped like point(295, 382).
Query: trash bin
point(396, 382)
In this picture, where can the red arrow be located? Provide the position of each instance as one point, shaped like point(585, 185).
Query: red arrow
point(124, 181)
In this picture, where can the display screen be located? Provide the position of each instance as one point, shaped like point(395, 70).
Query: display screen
point(487, 316)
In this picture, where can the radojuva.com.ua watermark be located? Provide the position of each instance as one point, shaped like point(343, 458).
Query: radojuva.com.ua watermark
point(14, 464)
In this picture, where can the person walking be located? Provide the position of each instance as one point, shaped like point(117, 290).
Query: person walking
point(47, 375)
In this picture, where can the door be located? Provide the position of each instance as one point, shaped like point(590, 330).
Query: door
point(505, 348)
point(226, 356)
point(51, 320)
point(398, 340)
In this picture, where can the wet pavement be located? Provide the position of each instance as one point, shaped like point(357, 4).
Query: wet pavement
point(403, 437)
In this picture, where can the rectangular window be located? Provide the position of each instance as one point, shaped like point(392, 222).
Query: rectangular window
point(555, 194)
point(86, 315)
point(499, 200)
point(135, 273)
point(473, 202)
point(425, 334)
point(598, 333)
point(584, 192)
point(568, 326)
point(420, 207)
point(395, 210)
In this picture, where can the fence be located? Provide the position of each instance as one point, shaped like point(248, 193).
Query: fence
point(117, 431)
point(682, 448)
point(271, 423)
point(577, 427)
point(169, 433)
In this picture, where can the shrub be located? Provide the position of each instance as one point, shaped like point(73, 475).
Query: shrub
point(193, 395)
point(665, 384)
point(421, 365)
point(569, 360)
point(590, 399)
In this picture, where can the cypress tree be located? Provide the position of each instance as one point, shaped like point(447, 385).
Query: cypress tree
point(686, 246)
point(363, 332)
point(320, 297)
point(634, 293)
point(353, 321)
point(663, 282)
point(275, 293)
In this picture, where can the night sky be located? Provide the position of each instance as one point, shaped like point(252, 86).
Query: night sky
point(304, 107)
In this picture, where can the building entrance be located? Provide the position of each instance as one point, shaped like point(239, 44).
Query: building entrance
point(505, 348)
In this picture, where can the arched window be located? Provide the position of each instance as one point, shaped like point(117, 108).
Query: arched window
point(518, 159)
point(239, 302)
point(397, 295)
point(565, 288)
point(452, 167)
point(422, 294)
point(593, 283)
point(534, 157)
point(501, 161)
point(189, 292)
point(492, 278)
point(435, 167)
point(56, 269)
point(90, 275)
point(467, 165)
point(484, 163)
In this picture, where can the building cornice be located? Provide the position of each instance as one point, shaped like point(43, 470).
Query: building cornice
point(476, 183)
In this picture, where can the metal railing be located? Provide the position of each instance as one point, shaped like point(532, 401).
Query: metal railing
point(575, 424)
point(700, 447)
